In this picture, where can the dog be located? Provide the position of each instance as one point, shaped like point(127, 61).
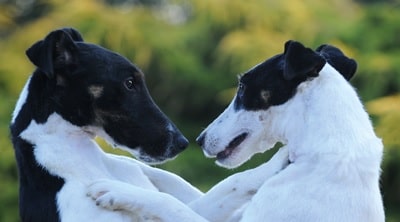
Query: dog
point(77, 92)
point(327, 170)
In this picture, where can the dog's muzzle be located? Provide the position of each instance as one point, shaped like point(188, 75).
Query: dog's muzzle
point(228, 149)
point(231, 146)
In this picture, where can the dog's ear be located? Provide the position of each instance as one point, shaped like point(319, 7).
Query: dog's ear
point(55, 51)
point(343, 64)
point(75, 35)
point(300, 62)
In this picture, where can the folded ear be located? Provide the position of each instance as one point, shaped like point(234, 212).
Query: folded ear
point(56, 50)
point(343, 64)
point(75, 35)
point(300, 62)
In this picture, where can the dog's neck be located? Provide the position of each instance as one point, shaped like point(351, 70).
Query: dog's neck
point(326, 114)
point(61, 146)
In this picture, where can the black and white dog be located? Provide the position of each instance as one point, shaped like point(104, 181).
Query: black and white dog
point(327, 170)
point(80, 91)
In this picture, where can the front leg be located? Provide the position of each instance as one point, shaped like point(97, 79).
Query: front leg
point(227, 200)
point(165, 181)
point(146, 204)
point(172, 184)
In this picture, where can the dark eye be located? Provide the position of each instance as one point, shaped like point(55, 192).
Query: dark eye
point(241, 86)
point(241, 89)
point(129, 83)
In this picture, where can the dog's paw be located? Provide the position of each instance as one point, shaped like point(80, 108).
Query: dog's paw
point(112, 200)
point(111, 195)
point(97, 189)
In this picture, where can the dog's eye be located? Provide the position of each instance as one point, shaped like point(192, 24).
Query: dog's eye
point(129, 84)
point(241, 86)
point(241, 89)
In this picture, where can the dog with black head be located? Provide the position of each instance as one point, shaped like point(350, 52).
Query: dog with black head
point(329, 166)
point(79, 91)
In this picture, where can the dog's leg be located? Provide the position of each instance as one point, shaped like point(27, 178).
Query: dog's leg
point(147, 204)
point(172, 184)
point(164, 181)
point(224, 201)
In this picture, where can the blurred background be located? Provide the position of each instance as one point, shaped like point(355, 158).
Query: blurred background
point(192, 52)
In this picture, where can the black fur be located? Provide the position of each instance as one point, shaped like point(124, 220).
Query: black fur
point(344, 65)
point(278, 76)
point(275, 81)
point(67, 68)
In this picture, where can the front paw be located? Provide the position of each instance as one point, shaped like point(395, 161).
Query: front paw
point(111, 201)
point(109, 195)
point(97, 189)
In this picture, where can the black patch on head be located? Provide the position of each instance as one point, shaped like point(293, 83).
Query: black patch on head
point(344, 65)
point(67, 68)
point(132, 119)
point(75, 35)
point(277, 77)
point(58, 50)
point(301, 62)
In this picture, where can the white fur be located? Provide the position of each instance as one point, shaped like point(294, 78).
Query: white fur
point(70, 152)
point(224, 202)
point(21, 100)
point(232, 123)
point(334, 153)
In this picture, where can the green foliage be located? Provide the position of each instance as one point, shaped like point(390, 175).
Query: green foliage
point(375, 38)
point(8, 172)
point(191, 53)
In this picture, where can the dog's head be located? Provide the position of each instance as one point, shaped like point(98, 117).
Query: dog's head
point(248, 125)
point(103, 93)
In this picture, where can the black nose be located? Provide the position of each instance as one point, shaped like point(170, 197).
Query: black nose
point(200, 139)
point(181, 142)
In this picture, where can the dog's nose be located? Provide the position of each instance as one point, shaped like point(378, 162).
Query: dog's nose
point(182, 143)
point(200, 139)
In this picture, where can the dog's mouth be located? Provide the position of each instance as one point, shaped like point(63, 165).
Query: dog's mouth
point(231, 146)
point(153, 160)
